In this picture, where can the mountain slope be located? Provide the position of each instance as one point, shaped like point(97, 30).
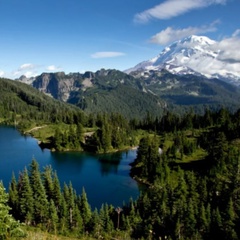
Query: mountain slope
point(102, 91)
point(189, 90)
point(137, 94)
point(19, 101)
point(196, 55)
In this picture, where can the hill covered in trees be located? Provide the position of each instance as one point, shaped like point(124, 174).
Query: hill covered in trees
point(21, 104)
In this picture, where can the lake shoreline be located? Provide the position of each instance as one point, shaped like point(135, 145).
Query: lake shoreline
point(105, 180)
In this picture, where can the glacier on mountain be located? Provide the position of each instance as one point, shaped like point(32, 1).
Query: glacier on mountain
point(194, 55)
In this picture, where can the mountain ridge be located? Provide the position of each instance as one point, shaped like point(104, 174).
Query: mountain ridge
point(136, 94)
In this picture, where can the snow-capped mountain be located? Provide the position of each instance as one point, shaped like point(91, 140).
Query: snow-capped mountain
point(197, 55)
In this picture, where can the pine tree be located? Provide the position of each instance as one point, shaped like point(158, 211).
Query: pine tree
point(26, 201)
point(71, 204)
point(77, 220)
point(9, 227)
point(13, 196)
point(94, 225)
point(56, 193)
point(216, 227)
point(63, 216)
point(229, 221)
point(48, 182)
point(53, 217)
point(85, 208)
point(106, 137)
point(190, 220)
point(79, 133)
point(105, 221)
point(39, 194)
point(202, 220)
point(57, 139)
point(72, 138)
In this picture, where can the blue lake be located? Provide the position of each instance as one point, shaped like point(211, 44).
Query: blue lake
point(105, 177)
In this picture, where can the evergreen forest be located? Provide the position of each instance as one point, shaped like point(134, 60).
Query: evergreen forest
point(189, 163)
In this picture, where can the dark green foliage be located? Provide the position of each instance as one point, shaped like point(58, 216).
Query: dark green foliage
point(53, 217)
point(193, 203)
point(13, 196)
point(113, 132)
point(26, 199)
point(9, 228)
point(85, 209)
point(149, 157)
point(39, 194)
point(38, 200)
point(20, 104)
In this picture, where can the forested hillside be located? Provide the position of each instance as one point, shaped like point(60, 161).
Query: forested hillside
point(20, 104)
point(194, 185)
point(190, 165)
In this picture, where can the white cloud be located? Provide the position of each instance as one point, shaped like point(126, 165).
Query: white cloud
point(29, 74)
point(107, 54)
point(26, 66)
point(53, 68)
point(170, 34)
point(1, 73)
point(236, 33)
point(227, 48)
point(173, 8)
point(26, 69)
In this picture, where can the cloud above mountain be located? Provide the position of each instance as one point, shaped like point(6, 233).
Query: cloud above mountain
point(26, 66)
point(170, 34)
point(27, 69)
point(172, 8)
point(227, 48)
point(107, 54)
point(53, 68)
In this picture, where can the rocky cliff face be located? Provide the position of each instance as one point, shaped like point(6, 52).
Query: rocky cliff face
point(58, 85)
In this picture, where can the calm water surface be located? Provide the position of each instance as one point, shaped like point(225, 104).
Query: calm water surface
point(104, 182)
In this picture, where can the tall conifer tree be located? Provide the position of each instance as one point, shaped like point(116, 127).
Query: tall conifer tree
point(26, 201)
point(39, 194)
point(9, 227)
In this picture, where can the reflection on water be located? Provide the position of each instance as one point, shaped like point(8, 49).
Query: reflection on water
point(110, 162)
point(105, 177)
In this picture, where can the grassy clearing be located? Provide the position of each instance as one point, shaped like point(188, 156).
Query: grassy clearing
point(44, 132)
point(47, 131)
point(197, 155)
point(37, 234)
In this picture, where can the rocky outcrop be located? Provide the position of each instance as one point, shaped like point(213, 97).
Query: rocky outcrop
point(58, 85)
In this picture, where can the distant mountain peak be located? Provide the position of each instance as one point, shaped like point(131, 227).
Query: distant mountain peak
point(192, 55)
point(198, 39)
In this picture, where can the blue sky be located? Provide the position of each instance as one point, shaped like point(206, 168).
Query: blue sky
point(86, 35)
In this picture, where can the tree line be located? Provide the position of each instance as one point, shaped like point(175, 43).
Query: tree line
point(37, 199)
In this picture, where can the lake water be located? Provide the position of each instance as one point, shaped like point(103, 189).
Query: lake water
point(104, 182)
